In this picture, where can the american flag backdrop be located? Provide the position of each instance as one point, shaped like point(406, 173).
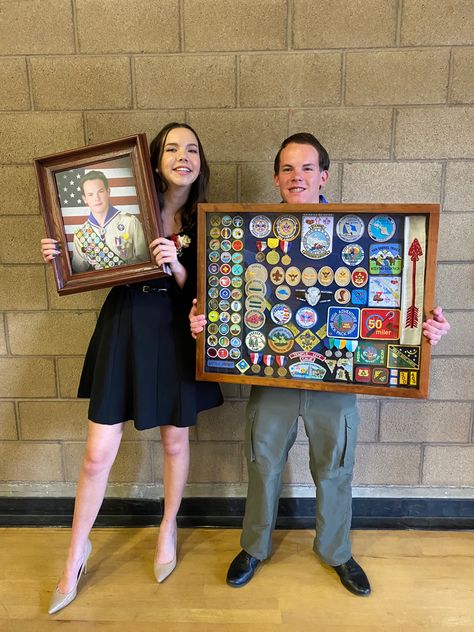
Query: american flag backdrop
point(123, 194)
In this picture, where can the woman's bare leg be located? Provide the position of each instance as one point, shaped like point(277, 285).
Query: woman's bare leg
point(101, 449)
point(175, 474)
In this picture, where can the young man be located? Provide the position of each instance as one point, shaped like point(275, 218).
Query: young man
point(108, 238)
point(330, 419)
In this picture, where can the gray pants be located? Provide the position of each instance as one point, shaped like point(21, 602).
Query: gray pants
point(331, 421)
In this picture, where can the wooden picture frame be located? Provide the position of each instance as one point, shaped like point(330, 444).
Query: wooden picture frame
point(322, 297)
point(112, 250)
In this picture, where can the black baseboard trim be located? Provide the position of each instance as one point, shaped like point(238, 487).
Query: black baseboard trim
point(294, 513)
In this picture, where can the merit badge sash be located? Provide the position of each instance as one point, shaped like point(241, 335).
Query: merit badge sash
point(414, 262)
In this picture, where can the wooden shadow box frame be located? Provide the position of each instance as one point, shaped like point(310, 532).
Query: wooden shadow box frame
point(134, 152)
point(347, 320)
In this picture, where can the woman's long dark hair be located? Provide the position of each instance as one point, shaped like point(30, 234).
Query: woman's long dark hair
point(198, 192)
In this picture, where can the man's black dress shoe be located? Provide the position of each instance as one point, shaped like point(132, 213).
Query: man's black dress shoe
point(242, 569)
point(353, 577)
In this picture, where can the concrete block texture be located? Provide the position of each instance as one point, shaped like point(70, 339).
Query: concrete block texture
point(240, 135)
point(444, 132)
point(378, 464)
point(256, 183)
point(8, 430)
point(81, 83)
point(462, 84)
point(50, 333)
point(3, 341)
point(212, 461)
point(451, 248)
point(102, 126)
point(69, 372)
point(455, 286)
point(53, 420)
point(215, 25)
point(425, 422)
point(27, 377)
point(389, 182)
point(451, 379)
point(460, 471)
point(290, 80)
point(132, 464)
point(20, 241)
point(393, 77)
point(357, 133)
point(14, 75)
point(459, 187)
point(18, 195)
point(30, 462)
point(33, 27)
point(457, 342)
point(129, 26)
point(223, 183)
point(23, 287)
point(430, 22)
point(341, 24)
point(225, 423)
point(28, 136)
point(203, 80)
point(369, 412)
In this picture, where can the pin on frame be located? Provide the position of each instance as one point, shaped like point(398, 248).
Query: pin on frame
point(103, 221)
point(319, 297)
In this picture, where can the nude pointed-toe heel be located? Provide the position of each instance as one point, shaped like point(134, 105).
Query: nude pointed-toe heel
point(60, 600)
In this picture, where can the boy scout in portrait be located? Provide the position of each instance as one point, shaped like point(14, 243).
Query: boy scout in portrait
point(109, 237)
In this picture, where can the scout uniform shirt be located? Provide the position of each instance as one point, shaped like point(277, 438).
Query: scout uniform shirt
point(118, 242)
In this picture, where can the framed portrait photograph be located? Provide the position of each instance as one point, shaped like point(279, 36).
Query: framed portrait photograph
point(99, 202)
point(322, 297)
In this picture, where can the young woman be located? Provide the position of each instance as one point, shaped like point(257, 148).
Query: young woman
point(140, 361)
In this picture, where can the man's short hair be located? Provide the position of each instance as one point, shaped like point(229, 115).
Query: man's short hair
point(304, 138)
point(94, 175)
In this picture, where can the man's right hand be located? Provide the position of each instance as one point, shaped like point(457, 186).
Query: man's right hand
point(197, 322)
point(50, 248)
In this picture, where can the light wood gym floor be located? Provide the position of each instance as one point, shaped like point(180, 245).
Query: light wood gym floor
point(421, 580)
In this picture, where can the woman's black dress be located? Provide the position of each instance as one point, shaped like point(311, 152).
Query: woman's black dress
point(140, 363)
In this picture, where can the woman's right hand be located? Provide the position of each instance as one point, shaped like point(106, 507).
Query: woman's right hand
point(50, 248)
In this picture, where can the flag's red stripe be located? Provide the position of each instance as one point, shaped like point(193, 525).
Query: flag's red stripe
point(122, 162)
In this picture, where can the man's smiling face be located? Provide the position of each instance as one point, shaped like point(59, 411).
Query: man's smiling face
point(299, 176)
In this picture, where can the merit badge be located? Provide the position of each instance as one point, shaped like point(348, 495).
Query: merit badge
point(255, 286)
point(343, 322)
point(213, 268)
point(234, 353)
point(307, 340)
point(236, 306)
point(292, 276)
point(255, 301)
point(215, 233)
point(386, 259)
point(309, 277)
point(213, 292)
point(236, 294)
point(255, 341)
point(260, 226)
point(227, 220)
point(214, 256)
point(224, 281)
point(350, 228)
point(360, 277)
point(237, 257)
point(212, 340)
point(237, 269)
point(306, 317)
point(342, 276)
point(226, 245)
point(352, 254)
point(342, 296)
point(381, 228)
point(403, 357)
point(277, 275)
point(287, 227)
point(212, 328)
point(214, 244)
point(224, 329)
point(384, 291)
point(226, 233)
point(380, 324)
point(224, 293)
point(316, 236)
point(307, 371)
point(235, 318)
point(237, 233)
point(237, 245)
point(224, 306)
point(256, 271)
point(379, 376)
point(213, 281)
point(224, 317)
point(238, 221)
point(224, 341)
point(226, 257)
point(325, 276)
point(280, 314)
point(370, 353)
point(225, 268)
point(273, 257)
point(254, 319)
point(280, 340)
point(215, 220)
point(359, 297)
point(282, 292)
point(237, 281)
point(235, 330)
point(362, 374)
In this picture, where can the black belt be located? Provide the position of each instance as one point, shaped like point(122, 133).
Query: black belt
point(148, 288)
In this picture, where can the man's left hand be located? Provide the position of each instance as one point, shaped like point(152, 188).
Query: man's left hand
point(436, 327)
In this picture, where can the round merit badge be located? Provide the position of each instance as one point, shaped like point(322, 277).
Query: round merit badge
point(381, 228)
point(360, 276)
point(255, 301)
point(255, 286)
point(309, 276)
point(352, 254)
point(306, 317)
point(254, 319)
point(256, 271)
point(281, 314)
point(287, 227)
point(342, 276)
point(277, 275)
point(255, 341)
point(260, 226)
point(325, 276)
point(280, 340)
point(282, 292)
point(350, 228)
point(293, 276)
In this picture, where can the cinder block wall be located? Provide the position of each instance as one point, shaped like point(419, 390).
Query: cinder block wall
point(386, 85)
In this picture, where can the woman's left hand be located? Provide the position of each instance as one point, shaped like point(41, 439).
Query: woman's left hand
point(164, 251)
